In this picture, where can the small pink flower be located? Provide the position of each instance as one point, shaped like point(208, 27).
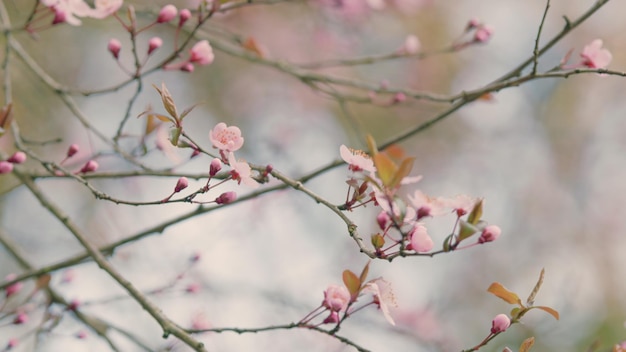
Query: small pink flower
point(500, 323)
point(17, 158)
point(167, 13)
point(216, 166)
point(89, 166)
point(398, 98)
point(383, 297)
point(20, 318)
point(72, 150)
point(461, 204)
point(226, 138)
point(226, 198)
point(183, 17)
point(357, 160)
point(181, 184)
point(419, 240)
point(483, 34)
point(153, 44)
point(73, 305)
point(5, 167)
point(427, 206)
point(336, 298)
point(489, 234)
point(105, 8)
point(594, 56)
point(12, 289)
point(472, 23)
point(114, 47)
point(201, 53)
point(241, 172)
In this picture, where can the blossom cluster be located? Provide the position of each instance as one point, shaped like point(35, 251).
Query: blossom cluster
point(69, 11)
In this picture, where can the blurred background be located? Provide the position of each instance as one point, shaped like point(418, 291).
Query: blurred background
point(548, 157)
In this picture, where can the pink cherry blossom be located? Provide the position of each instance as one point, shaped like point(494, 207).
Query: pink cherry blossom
point(72, 150)
point(14, 288)
point(427, 206)
point(594, 56)
point(419, 240)
point(336, 298)
point(461, 204)
point(89, 166)
point(226, 198)
point(201, 53)
point(68, 11)
point(81, 334)
point(216, 166)
point(489, 234)
point(181, 184)
point(226, 138)
point(20, 318)
point(357, 160)
point(500, 323)
point(383, 297)
point(332, 318)
point(483, 34)
point(411, 45)
point(183, 17)
point(383, 220)
point(105, 8)
point(17, 158)
point(5, 167)
point(241, 172)
point(167, 13)
point(12, 343)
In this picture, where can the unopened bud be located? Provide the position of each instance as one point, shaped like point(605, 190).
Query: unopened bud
point(20, 318)
point(188, 67)
point(181, 184)
point(72, 150)
point(183, 16)
point(17, 158)
point(226, 198)
point(89, 166)
point(5, 167)
point(500, 323)
point(483, 34)
point(216, 166)
point(153, 44)
point(167, 13)
point(14, 288)
point(489, 234)
point(383, 220)
point(114, 48)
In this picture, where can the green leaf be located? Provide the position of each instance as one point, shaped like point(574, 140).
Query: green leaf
point(515, 312)
point(466, 230)
point(378, 241)
point(500, 291)
point(352, 282)
point(527, 344)
point(447, 243)
point(403, 171)
point(476, 213)
point(175, 135)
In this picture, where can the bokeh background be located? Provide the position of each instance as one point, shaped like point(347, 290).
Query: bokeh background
point(548, 157)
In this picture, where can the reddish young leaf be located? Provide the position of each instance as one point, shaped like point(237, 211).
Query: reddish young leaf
point(527, 344)
point(352, 282)
point(500, 291)
point(385, 168)
point(365, 271)
point(549, 310)
point(405, 169)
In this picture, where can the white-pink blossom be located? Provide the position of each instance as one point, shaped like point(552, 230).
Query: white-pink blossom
point(594, 56)
point(357, 160)
point(201, 53)
point(226, 138)
point(336, 298)
point(419, 240)
point(241, 172)
point(383, 297)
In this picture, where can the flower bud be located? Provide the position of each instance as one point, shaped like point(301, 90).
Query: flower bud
point(5, 167)
point(483, 34)
point(181, 184)
point(226, 198)
point(383, 220)
point(72, 150)
point(411, 45)
point(14, 288)
point(167, 13)
point(188, 67)
point(20, 318)
point(500, 323)
point(216, 166)
point(114, 48)
point(12, 343)
point(153, 44)
point(183, 17)
point(489, 234)
point(333, 318)
point(17, 158)
point(89, 166)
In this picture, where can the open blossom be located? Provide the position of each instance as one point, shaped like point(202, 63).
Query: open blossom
point(461, 204)
point(383, 297)
point(500, 323)
point(201, 53)
point(226, 138)
point(68, 10)
point(105, 8)
point(594, 56)
point(427, 206)
point(240, 171)
point(357, 159)
point(336, 298)
point(419, 240)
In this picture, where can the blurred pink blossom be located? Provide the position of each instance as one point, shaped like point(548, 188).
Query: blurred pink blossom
point(594, 56)
point(153, 44)
point(427, 206)
point(5, 167)
point(489, 234)
point(419, 240)
point(483, 33)
point(241, 172)
point(14, 288)
point(17, 158)
point(105, 8)
point(201, 53)
point(336, 298)
point(383, 297)
point(114, 47)
point(167, 13)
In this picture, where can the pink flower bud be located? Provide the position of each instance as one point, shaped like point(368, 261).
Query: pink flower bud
point(216, 166)
point(181, 184)
point(20, 318)
point(483, 34)
point(12, 289)
point(383, 220)
point(419, 240)
point(167, 13)
point(411, 45)
point(226, 198)
point(500, 323)
point(183, 17)
point(333, 318)
point(72, 150)
point(17, 158)
point(195, 258)
point(336, 298)
point(114, 47)
point(13, 343)
point(399, 97)
point(74, 304)
point(472, 23)
point(201, 53)
point(89, 166)
point(489, 234)
point(81, 335)
point(153, 44)
point(193, 288)
point(188, 67)
point(5, 167)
